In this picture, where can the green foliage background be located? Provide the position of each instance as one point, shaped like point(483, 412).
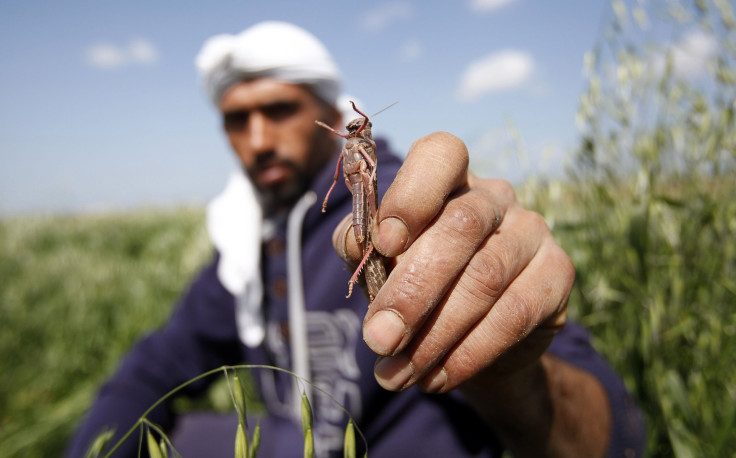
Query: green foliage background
point(75, 293)
point(648, 215)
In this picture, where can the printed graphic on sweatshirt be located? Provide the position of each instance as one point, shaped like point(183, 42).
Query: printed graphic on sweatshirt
point(333, 339)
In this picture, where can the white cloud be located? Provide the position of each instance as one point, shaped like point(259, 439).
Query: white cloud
point(107, 55)
point(488, 5)
point(142, 51)
point(693, 52)
point(497, 72)
point(382, 16)
point(411, 50)
point(691, 55)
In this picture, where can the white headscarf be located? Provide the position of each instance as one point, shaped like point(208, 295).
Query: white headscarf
point(235, 218)
point(268, 49)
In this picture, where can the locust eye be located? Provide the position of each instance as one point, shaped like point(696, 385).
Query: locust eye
point(355, 124)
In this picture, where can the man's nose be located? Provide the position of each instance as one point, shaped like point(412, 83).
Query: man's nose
point(260, 133)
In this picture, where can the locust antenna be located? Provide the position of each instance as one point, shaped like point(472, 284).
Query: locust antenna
point(384, 109)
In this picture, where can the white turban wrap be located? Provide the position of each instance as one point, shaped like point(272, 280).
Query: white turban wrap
point(234, 218)
point(269, 49)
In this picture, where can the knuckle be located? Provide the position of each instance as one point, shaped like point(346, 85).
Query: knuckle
point(503, 190)
point(535, 221)
point(517, 317)
point(443, 151)
point(466, 219)
point(566, 265)
point(565, 269)
point(453, 147)
point(464, 364)
point(411, 292)
point(486, 275)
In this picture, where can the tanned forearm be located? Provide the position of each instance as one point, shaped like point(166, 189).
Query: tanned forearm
point(550, 408)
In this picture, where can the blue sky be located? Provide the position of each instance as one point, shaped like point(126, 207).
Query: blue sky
point(102, 109)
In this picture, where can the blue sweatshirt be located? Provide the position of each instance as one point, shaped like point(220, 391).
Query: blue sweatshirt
point(202, 335)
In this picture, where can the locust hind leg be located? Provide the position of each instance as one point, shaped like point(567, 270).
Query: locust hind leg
point(354, 279)
point(334, 182)
point(370, 162)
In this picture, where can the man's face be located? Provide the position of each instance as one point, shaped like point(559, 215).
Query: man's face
point(271, 127)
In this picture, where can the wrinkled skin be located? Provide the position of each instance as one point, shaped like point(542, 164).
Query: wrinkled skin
point(477, 291)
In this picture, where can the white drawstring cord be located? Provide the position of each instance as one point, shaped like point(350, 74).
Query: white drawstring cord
point(297, 308)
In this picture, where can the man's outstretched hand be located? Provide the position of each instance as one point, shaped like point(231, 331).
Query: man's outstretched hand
point(478, 283)
point(477, 290)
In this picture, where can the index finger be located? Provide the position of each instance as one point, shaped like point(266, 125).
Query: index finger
point(436, 166)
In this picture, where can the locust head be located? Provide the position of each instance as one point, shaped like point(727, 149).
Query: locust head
point(356, 128)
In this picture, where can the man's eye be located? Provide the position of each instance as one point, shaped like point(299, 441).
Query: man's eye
point(235, 120)
point(280, 111)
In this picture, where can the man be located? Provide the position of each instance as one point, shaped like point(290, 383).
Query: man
point(469, 329)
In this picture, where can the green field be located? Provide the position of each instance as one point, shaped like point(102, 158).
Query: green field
point(647, 214)
point(75, 293)
point(657, 287)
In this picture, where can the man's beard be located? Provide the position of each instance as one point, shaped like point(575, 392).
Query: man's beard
point(278, 197)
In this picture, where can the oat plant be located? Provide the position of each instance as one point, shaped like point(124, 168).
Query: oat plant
point(648, 216)
point(246, 445)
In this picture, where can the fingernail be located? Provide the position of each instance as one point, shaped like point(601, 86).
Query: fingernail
point(384, 332)
point(346, 251)
point(394, 372)
point(392, 236)
point(434, 383)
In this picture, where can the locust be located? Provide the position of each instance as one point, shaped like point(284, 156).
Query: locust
point(359, 165)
